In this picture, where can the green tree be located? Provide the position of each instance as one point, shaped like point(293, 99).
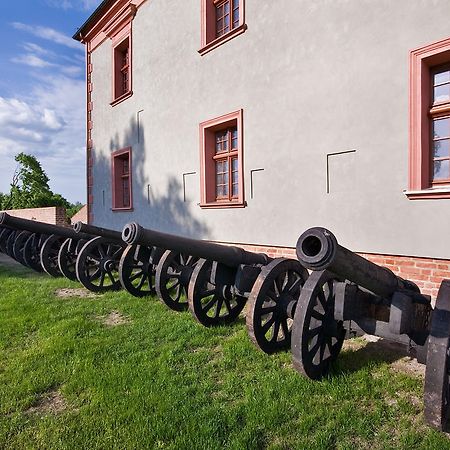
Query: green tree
point(29, 187)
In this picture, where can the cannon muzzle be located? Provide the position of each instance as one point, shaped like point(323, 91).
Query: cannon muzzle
point(81, 227)
point(318, 249)
point(231, 256)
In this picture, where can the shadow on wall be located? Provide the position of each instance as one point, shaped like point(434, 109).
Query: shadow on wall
point(167, 212)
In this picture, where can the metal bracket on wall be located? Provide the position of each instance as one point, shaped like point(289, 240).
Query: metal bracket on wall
point(251, 180)
point(185, 174)
point(328, 164)
point(103, 197)
point(148, 194)
point(138, 120)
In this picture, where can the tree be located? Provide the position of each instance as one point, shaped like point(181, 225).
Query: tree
point(29, 187)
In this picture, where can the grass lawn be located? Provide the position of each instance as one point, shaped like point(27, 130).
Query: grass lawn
point(160, 380)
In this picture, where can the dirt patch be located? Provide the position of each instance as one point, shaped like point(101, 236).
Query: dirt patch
point(74, 292)
point(48, 403)
point(410, 366)
point(113, 319)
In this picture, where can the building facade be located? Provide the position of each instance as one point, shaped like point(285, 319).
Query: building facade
point(249, 121)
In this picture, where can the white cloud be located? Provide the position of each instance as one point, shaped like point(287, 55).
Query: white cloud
point(31, 47)
point(72, 70)
point(49, 34)
point(31, 60)
point(85, 5)
point(50, 124)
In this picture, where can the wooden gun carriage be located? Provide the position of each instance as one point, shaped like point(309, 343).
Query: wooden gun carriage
point(218, 279)
point(345, 293)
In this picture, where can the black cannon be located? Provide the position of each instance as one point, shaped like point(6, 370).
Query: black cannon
point(222, 278)
point(97, 261)
point(36, 244)
point(345, 293)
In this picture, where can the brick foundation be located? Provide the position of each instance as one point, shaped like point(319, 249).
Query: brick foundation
point(55, 215)
point(427, 273)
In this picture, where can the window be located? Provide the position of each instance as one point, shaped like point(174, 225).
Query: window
point(221, 162)
point(121, 69)
point(221, 21)
point(429, 143)
point(121, 180)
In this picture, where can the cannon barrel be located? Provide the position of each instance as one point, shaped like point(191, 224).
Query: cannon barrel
point(318, 249)
point(231, 256)
point(81, 227)
point(39, 227)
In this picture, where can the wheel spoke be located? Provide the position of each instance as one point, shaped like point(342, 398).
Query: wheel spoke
point(218, 308)
point(265, 328)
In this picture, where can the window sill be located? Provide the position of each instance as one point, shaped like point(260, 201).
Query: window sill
point(220, 205)
point(222, 39)
point(121, 98)
point(122, 209)
point(428, 194)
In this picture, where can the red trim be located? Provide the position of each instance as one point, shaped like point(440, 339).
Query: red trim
point(421, 60)
point(207, 131)
point(116, 186)
point(208, 27)
point(119, 38)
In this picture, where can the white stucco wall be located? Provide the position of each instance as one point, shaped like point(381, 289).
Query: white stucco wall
point(313, 78)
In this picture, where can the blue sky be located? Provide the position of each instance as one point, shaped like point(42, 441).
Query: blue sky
point(42, 90)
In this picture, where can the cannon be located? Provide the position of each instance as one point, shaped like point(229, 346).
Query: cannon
point(97, 261)
point(36, 244)
point(347, 295)
point(219, 279)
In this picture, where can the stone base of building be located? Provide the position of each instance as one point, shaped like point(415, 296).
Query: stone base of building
point(427, 273)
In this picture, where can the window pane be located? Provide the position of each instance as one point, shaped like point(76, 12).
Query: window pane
point(234, 163)
point(227, 22)
point(441, 148)
point(235, 4)
point(441, 170)
point(234, 139)
point(441, 127)
point(227, 7)
point(441, 77)
point(442, 93)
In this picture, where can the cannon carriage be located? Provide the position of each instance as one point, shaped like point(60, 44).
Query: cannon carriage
point(347, 295)
point(218, 280)
point(36, 244)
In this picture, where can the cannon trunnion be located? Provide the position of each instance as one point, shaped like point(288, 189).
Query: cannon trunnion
point(346, 294)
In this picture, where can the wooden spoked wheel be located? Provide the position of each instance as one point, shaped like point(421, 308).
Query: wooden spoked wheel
point(4, 235)
point(272, 303)
point(437, 372)
point(316, 336)
point(67, 258)
point(209, 303)
point(136, 270)
point(9, 246)
point(49, 255)
point(173, 274)
point(32, 251)
point(97, 265)
point(19, 244)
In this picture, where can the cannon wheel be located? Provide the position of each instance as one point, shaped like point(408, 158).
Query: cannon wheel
point(136, 271)
point(9, 246)
point(67, 258)
point(4, 235)
point(211, 304)
point(274, 295)
point(49, 254)
point(437, 377)
point(172, 278)
point(316, 336)
point(18, 246)
point(32, 251)
point(97, 265)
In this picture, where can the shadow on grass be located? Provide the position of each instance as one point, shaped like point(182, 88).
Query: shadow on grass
point(382, 351)
point(10, 267)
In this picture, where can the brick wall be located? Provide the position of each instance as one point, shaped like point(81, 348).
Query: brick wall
point(81, 215)
point(427, 273)
point(55, 214)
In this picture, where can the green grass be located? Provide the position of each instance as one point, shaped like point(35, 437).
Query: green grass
point(164, 381)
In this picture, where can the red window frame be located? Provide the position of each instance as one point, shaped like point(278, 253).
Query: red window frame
point(221, 145)
point(122, 66)
point(214, 32)
point(122, 196)
point(423, 110)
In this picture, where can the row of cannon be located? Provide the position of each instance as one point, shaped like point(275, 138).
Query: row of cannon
point(310, 304)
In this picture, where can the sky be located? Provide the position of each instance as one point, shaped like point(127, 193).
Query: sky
point(42, 90)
